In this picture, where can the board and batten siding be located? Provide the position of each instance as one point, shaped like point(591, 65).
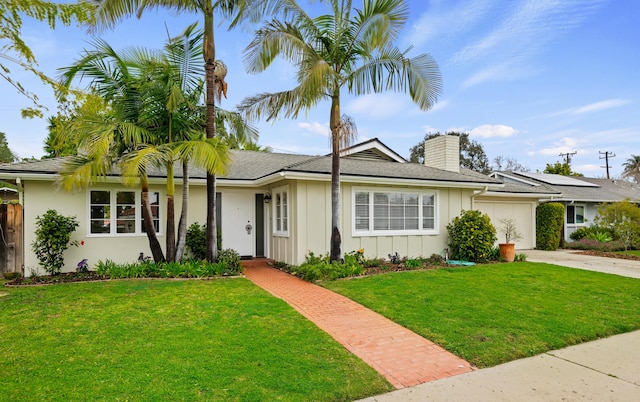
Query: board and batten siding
point(312, 223)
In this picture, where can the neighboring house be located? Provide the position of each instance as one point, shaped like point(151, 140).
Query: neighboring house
point(580, 195)
point(8, 194)
point(272, 205)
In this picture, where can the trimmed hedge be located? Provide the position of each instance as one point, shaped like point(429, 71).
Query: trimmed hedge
point(549, 220)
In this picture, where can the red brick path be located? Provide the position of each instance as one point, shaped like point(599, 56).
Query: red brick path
point(403, 357)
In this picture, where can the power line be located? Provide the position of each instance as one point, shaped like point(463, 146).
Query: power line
point(567, 156)
point(606, 157)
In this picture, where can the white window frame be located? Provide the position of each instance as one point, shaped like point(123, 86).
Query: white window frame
point(575, 223)
point(405, 232)
point(281, 201)
point(113, 215)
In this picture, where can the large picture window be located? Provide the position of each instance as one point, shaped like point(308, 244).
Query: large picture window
point(394, 212)
point(114, 212)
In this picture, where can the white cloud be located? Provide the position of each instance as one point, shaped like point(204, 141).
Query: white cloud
point(377, 106)
point(428, 129)
point(564, 145)
point(492, 131)
point(602, 105)
point(315, 128)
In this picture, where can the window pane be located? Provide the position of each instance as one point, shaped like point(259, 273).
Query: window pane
point(428, 199)
point(396, 199)
point(100, 226)
point(396, 224)
point(411, 224)
point(396, 211)
point(100, 197)
point(362, 198)
point(411, 212)
point(125, 197)
point(571, 214)
point(580, 214)
point(380, 198)
point(101, 212)
point(428, 223)
point(411, 199)
point(380, 224)
point(154, 203)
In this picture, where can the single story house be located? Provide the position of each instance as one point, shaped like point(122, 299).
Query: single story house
point(275, 205)
point(581, 196)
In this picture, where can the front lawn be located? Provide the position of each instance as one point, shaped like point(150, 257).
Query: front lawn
point(155, 340)
point(490, 314)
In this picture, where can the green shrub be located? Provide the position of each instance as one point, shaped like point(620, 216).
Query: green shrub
point(196, 240)
point(435, 259)
point(230, 260)
point(600, 235)
point(471, 236)
point(53, 232)
point(549, 220)
point(318, 267)
point(581, 233)
point(414, 263)
point(590, 244)
point(623, 219)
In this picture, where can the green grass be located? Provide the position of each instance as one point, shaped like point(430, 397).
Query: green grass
point(630, 252)
point(155, 340)
point(490, 314)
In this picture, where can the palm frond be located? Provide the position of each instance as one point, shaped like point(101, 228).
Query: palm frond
point(391, 70)
point(211, 154)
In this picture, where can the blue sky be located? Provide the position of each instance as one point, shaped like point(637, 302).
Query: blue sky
point(527, 79)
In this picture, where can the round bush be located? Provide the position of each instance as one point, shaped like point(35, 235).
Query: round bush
point(471, 236)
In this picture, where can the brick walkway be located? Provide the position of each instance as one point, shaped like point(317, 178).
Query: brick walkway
point(403, 357)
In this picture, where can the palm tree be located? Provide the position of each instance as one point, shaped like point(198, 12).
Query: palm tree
point(167, 108)
point(344, 51)
point(110, 12)
point(632, 168)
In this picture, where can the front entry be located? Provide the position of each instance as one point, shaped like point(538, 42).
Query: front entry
point(238, 223)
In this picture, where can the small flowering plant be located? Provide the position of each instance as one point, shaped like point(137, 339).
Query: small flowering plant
point(359, 255)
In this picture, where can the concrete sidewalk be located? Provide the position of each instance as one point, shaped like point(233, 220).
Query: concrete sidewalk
point(603, 370)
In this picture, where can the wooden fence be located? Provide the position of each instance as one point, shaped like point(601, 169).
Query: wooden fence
point(11, 247)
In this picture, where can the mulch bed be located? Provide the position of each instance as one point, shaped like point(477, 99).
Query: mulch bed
point(67, 277)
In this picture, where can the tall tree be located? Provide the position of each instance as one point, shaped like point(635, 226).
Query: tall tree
point(345, 51)
point(15, 51)
point(155, 94)
point(110, 12)
point(632, 168)
point(6, 154)
point(506, 163)
point(472, 155)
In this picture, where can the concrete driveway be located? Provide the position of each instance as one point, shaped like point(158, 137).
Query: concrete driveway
point(572, 258)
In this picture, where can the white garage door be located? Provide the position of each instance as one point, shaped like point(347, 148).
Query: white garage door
point(523, 213)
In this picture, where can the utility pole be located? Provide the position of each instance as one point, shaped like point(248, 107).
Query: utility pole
point(567, 156)
point(606, 157)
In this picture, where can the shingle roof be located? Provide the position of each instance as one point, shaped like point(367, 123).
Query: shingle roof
point(251, 165)
point(591, 189)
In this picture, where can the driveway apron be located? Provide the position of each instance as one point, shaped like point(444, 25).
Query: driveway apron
point(404, 358)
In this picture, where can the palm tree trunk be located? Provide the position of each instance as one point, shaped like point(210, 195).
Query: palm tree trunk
point(182, 225)
point(209, 67)
point(154, 244)
point(334, 122)
point(171, 215)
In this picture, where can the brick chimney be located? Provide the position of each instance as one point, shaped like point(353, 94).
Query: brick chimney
point(443, 152)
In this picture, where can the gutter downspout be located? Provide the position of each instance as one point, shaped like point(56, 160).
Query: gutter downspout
point(20, 191)
point(473, 197)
